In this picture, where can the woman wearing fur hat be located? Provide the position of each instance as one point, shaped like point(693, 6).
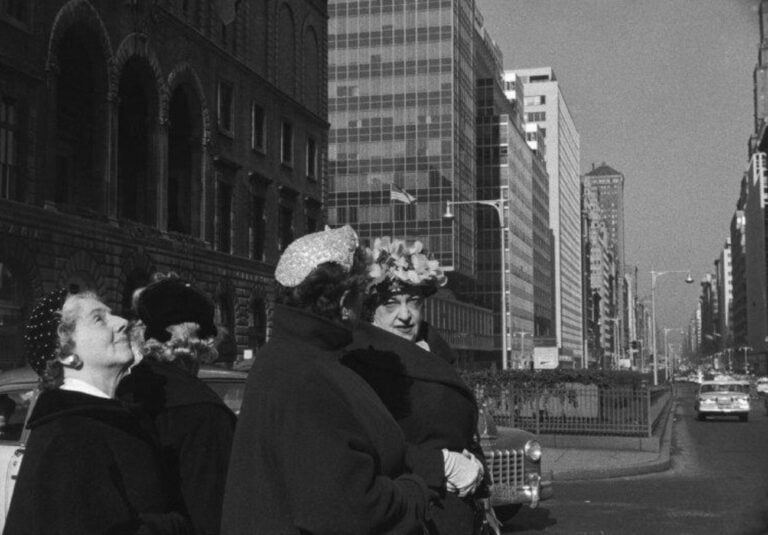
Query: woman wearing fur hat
point(411, 368)
point(89, 467)
point(315, 451)
point(194, 426)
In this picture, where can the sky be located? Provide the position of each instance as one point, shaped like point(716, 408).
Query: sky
point(660, 90)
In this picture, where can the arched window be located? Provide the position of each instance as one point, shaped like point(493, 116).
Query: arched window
point(80, 119)
point(257, 336)
point(312, 70)
point(184, 147)
point(286, 63)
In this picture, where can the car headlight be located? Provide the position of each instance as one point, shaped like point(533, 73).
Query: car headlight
point(533, 450)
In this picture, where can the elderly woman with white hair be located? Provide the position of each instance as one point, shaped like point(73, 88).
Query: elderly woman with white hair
point(89, 466)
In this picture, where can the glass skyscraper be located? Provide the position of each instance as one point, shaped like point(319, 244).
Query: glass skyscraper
point(402, 112)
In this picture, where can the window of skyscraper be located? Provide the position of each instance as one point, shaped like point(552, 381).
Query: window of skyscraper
point(8, 133)
point(311, 159)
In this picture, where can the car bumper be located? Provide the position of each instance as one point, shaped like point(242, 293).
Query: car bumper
point(538, 489)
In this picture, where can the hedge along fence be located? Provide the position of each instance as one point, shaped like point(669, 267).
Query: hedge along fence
point(579, 402)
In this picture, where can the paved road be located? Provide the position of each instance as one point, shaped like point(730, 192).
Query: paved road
point(718, 485)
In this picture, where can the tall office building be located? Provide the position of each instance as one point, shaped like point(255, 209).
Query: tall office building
point(609, 186)
point(504, 171)
point(724, 274)
point(401, 100)
point(543, 254)
point(545, 105)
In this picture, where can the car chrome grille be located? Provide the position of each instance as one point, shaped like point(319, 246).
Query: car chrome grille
point(506, 468)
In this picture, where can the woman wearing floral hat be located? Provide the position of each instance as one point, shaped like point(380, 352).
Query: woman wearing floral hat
point(412, 369)
point(89, 466)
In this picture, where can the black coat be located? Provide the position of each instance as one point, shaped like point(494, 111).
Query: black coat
point(89, 468)
point(432, 404)
point(195, 430)
point(315, 451)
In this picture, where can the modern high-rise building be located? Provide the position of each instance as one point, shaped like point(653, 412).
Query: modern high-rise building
point(402, 108)
point(504, 171)
point(401, 101)
point(724, 274)
point(545, 105)
point(543, 254)
point(609, 185)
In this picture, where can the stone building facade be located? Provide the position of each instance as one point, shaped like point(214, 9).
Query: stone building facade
point(166, 135)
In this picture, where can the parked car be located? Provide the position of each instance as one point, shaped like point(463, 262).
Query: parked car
point(18, 393)
point(723, 397)
point(761, 386)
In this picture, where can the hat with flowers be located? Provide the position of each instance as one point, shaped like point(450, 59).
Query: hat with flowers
point(397, 266)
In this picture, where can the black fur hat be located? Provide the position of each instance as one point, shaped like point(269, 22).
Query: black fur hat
point(171, 301)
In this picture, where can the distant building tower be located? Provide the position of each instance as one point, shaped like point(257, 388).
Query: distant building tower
point(724, 274)
point(545, 105)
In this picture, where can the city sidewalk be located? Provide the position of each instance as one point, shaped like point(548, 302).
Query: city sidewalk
point(574, 464)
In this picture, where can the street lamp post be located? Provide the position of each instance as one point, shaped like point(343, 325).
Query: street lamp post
point(654, 276)
point(745, 349)
point(666, 350)
point(522, 347)
point(499, 205)
point(615, 322)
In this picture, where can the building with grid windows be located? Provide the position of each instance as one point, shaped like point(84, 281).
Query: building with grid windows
point(402, 109)
point(401, 100)
point(545, 105)
point(504, 171)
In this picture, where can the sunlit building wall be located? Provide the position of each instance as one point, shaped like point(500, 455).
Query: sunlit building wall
point(546, 106)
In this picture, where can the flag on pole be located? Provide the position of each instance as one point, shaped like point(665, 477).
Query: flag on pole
point(396, 193)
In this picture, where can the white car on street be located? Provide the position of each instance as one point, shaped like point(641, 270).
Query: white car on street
point(723, 397)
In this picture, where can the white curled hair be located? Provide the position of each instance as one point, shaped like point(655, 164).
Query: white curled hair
point(184, 347)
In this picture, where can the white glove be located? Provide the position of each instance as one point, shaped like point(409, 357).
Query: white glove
point(463, 471)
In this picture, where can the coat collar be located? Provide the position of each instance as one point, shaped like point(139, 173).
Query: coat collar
point(405, 357)
point(301, 325)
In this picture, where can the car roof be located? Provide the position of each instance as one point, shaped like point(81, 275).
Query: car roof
point(722, 382)
point(25, 377)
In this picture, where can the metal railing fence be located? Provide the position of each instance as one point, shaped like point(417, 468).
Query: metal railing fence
point(581, 409)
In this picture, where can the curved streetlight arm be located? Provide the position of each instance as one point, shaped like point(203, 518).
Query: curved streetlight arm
point(498, 204)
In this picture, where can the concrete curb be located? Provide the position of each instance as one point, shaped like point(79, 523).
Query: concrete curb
point(661, 464)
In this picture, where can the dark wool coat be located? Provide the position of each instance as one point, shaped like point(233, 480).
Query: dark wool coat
point(89, 468)
point(432, 404)
point(195, 430)
point(315, 451)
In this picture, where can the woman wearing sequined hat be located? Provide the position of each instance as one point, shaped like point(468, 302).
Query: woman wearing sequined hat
point(315, 451)
point(88, 466)
point(412, 369)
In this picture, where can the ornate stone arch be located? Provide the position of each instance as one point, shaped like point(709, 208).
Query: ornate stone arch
point(137, 45)
point(85, 270)
point(81, 12)
point(182, 73)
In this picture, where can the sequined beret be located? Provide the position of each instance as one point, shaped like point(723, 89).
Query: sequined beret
point(306, 253)
point(172, 301)
point(41, 337)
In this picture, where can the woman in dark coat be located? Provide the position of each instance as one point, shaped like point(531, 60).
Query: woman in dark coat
point(89, 467)
point(315, 450)
point(412, 369)
point(194, 426)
